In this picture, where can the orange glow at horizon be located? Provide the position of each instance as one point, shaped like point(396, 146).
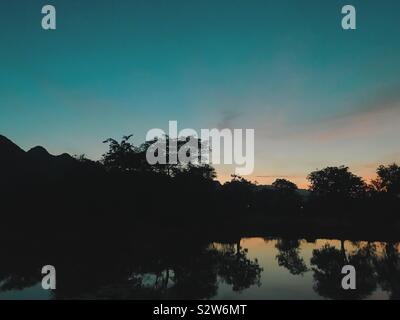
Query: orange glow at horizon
point(300, 181)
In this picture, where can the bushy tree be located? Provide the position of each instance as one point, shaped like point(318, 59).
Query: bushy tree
point(122, 156)
point(336, 182)
point(284, 185)
point(238, 192)
point(388, 179)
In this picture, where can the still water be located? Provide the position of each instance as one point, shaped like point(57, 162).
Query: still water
point(250, 268)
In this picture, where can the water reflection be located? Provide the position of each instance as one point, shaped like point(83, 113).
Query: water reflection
point(253, 268)
point(327, 264)
point(289, 256)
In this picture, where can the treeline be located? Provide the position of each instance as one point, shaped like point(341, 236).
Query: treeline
point(189, 193)
point(122, 192)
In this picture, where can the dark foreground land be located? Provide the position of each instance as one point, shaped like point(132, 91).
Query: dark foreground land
point(111, 221)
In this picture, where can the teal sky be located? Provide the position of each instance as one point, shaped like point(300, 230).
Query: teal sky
point(315, 94)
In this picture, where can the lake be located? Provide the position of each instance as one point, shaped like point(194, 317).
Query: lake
point(249, 268)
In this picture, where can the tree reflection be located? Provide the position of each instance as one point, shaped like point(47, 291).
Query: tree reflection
point(328, 263)
point(289, 256)
point(158, 269)
point(388, 270)
point(237, 270)
point(176, 269)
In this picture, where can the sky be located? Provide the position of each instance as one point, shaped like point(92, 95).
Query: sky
point(315, 94)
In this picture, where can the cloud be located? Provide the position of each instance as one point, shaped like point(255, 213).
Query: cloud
point(228, 118)
point(378, 116)
point(384, 100)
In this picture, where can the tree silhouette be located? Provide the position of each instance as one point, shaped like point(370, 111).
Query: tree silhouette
point(286, 197)
point(336, 182)
point(388, 180)
point(238, 193)
point(122, 156)
point(284, 185)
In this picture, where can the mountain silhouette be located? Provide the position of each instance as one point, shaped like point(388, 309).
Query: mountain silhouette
point(12, 163)
point(39, 152)
point(16, 165)
point(9, 151)
point(43, 157)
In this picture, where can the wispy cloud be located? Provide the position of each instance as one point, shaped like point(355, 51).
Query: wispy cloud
point(381, 113)
point(228, 118)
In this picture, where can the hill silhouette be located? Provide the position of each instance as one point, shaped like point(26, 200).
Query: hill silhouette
point(10, 153)
point(14, 166)
point(18, 167)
